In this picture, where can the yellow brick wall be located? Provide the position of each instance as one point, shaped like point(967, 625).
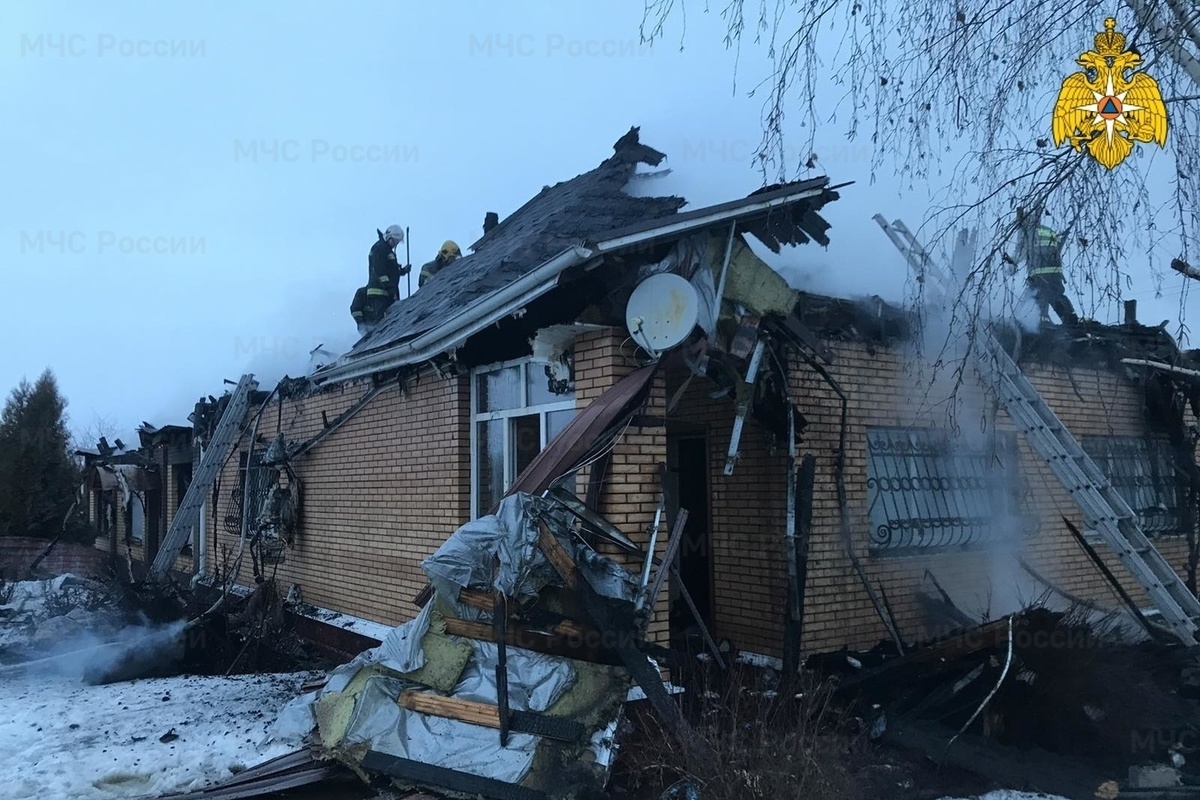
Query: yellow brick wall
point(748, 508)
point(632, 488)
point(380, 494)
point(385, 490)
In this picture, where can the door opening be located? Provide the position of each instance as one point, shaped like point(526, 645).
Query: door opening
point(688, 466)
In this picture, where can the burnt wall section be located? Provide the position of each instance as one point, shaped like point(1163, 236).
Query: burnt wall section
point(748, 509)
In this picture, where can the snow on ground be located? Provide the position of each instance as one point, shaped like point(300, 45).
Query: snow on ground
point(63, 739)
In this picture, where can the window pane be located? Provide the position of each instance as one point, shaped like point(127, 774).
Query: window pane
point(526, 441)
point(539, 386)
point(556, 421)
point(490, 466)
point(499, 390)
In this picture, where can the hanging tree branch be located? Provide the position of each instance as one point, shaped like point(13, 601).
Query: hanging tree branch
point(923, 78)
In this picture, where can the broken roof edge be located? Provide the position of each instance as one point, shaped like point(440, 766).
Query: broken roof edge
point(732, 211)
point(533, 284)
point(876, 322)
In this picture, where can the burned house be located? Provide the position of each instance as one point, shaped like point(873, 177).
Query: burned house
point(133, 496)
point(829, 501)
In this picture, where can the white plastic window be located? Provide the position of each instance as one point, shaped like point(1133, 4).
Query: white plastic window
point(513, 415)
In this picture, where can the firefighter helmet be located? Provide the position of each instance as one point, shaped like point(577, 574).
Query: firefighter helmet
point(394, 235)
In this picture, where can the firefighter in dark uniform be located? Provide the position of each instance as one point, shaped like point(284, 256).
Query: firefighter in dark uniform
point(372, 301)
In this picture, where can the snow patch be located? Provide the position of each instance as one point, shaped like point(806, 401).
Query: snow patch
point(62, 739)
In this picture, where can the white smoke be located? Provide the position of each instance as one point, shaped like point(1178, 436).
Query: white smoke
point(944, 387)
point(129, 652)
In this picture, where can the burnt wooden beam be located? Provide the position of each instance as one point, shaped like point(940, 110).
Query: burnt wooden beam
point(1112, 581)
point(709, 642)
point(422, 598)
point(500, 637)
point(805, 336)
point(1046, 772)
point(797, 553)
point(940, 656)
point(668, 559)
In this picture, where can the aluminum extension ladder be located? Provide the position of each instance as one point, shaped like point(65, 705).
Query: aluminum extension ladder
point(188, 515)
point(1104, 510)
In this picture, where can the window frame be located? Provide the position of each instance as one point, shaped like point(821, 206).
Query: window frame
point(522, 409)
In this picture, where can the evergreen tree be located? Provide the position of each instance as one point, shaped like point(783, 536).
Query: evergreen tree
point(38, 478)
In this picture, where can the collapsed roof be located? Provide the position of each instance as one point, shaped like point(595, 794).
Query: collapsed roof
point(558, 217)
point(564, 226)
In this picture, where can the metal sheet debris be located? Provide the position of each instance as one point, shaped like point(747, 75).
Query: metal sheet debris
point(506, 718)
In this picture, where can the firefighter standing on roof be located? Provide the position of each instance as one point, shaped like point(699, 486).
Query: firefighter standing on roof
point(1042, 253)
point(371, 302)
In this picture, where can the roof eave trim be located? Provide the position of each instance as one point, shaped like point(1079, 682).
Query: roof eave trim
point(475, 318)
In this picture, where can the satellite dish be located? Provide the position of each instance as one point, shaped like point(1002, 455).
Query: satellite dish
point(662, 311)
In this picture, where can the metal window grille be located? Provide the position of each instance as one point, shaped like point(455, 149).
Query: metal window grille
point(259, 483)
point(1143, 473)
point(927, 491)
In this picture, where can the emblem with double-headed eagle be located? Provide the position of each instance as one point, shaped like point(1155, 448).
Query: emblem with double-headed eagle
point(1110, 105)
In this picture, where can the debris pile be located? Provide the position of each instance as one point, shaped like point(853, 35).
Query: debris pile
point(509, 683)
point(1042, 699)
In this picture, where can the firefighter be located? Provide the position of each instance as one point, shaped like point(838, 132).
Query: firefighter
point(448, 254)
point(1044, 281)
point(383, 275)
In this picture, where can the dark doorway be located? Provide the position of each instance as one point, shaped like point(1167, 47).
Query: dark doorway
point(689, 467)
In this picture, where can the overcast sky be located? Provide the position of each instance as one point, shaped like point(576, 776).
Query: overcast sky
point(190, 190)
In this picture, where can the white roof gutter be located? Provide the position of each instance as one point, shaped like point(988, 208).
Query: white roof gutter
point(475, 318)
